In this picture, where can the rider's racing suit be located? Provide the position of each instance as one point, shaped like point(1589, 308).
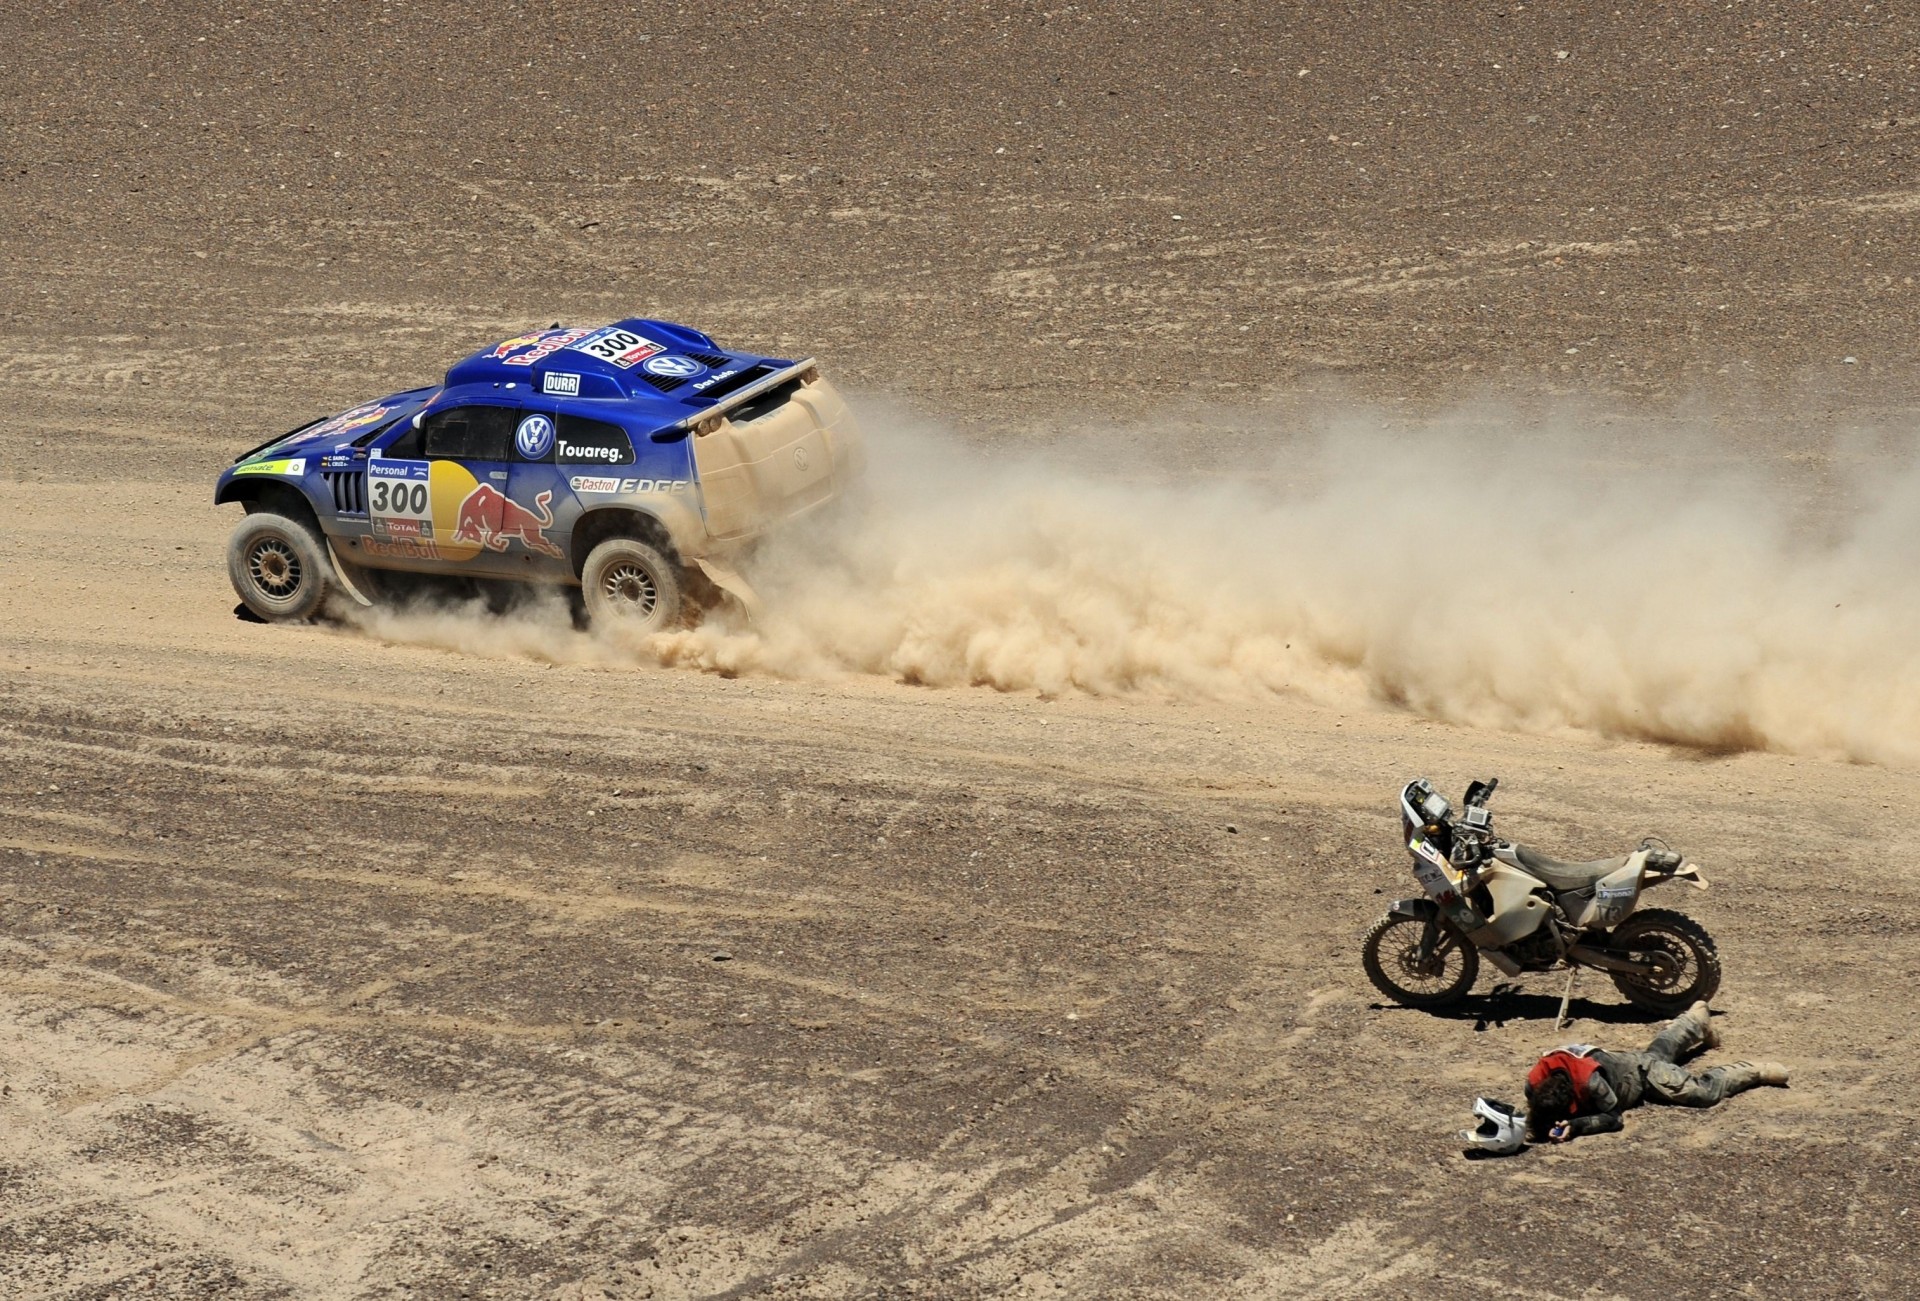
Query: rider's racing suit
point(1606, 1084)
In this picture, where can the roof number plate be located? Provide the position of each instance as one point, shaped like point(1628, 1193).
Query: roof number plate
point(623, 348)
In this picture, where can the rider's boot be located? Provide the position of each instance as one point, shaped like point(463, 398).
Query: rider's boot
point(1709, 1032)
point(1741, 1076)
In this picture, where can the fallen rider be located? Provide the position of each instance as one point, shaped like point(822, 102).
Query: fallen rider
point(1580, 1089)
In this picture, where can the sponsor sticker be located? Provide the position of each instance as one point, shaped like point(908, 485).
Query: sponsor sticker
point(607, 483)
point(560, 384)
point(437, 510)
point(297, 466)
point(489, 518)
point(674, 367)
point(623, 348)
point(600, 449)
point(401, 548)
point(526, 349)
point(399, 499)
point(716, 377)
point(534, 437)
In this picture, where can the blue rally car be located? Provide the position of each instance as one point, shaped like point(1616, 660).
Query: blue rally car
point(619, 459)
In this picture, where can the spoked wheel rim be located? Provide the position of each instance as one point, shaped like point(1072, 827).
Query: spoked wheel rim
point(630, 588)
point(1393, 962)
point(1441, 969)
point(1677, 965)
point(275, 568)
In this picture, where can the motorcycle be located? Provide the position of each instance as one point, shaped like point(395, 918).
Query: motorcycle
point(1522, 911)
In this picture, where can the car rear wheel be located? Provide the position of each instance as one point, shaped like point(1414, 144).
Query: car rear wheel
point(627, 584)
point(279, 568)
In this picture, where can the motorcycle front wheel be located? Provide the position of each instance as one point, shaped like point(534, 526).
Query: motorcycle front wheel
point(1690, 965)
point(1391, 956)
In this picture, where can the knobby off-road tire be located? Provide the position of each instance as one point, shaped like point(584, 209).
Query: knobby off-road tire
point(1696, 974)
point(627, 584)
point(279, 568)
point(1389, 955)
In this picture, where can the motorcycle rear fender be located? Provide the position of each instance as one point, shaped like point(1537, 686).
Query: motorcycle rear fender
point(1689, 873)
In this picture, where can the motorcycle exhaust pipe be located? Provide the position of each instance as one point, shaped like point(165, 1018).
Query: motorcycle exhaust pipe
point(1610, 961)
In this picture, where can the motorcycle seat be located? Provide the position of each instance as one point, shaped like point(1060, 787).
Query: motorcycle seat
point(1563, 877)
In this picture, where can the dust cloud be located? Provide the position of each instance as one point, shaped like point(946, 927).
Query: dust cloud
point(1472, 570)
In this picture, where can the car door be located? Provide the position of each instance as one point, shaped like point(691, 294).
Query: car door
point(468, 450)
point(540, 510)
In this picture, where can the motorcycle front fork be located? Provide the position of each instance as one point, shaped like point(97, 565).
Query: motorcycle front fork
point(1429, 941)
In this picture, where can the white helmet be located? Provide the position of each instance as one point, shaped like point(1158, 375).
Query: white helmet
point(1502, 1131)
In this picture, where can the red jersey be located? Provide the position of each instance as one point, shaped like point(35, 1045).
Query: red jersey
point(1575, 1062)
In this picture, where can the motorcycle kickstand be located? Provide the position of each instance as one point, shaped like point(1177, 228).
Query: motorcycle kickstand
point(1566, 998)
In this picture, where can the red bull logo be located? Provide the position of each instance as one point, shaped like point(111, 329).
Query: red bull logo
point(544, 343)
point(517, 342)
point(491, 519)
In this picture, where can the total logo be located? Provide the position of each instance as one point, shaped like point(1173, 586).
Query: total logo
point(534, 437)
point(674, 367)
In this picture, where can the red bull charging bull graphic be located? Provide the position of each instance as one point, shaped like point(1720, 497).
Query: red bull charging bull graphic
point(491, 519)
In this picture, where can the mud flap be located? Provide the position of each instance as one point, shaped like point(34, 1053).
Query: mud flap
point(729, 580)
point(340, 576)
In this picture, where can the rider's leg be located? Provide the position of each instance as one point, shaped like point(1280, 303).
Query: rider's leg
point(1685, 1033)
point(1679, 1087)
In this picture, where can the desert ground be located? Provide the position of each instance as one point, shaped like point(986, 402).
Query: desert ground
point(463, 956)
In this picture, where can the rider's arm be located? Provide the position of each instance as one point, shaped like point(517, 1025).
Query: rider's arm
point(1602, 1108)
point(1600, 1122)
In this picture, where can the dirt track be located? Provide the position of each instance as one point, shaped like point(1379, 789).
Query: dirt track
point(340, 968)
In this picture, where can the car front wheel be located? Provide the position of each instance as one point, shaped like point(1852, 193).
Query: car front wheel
point(278, 567)
point(629, 585)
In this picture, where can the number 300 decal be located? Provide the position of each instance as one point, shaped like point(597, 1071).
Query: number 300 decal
point(390, 498)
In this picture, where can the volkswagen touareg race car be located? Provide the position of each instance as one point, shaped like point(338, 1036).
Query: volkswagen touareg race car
point(620, 459)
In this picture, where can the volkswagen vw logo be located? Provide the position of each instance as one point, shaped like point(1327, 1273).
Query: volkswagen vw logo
point(673, 367)
point(534, 437)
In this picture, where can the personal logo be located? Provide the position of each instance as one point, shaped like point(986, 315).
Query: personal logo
point(534, 437)
point(674, 366)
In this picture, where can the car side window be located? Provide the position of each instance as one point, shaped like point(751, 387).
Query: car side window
point(469, 433)
point(578, 440)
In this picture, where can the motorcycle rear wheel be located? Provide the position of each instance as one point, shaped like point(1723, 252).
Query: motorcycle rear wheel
point(1695, 973)
point(1391, 953)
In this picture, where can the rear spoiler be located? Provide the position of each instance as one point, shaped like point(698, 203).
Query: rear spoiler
point(707, 420)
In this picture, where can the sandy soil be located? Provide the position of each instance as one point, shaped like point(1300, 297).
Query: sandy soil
point(338, 966)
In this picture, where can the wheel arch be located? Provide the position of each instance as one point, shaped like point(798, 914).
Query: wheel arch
point(604, 522)
point(270, 495)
